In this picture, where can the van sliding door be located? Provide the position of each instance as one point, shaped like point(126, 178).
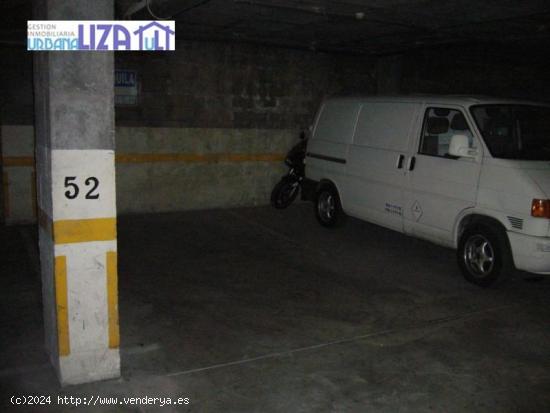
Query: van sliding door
point(376, 162)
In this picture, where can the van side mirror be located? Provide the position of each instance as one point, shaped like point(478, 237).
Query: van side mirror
point(460, 147)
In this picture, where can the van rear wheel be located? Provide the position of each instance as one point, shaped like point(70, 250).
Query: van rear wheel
point(328, 209)
point(484, 256)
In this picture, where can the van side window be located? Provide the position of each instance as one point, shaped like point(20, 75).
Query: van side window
point(440, 124)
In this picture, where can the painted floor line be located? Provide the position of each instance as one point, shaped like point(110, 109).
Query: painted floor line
point(429, 323)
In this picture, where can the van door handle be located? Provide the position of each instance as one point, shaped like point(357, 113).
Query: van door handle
point(400, 161)
point(412, 163)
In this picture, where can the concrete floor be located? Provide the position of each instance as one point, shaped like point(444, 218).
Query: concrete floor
point(262, 310)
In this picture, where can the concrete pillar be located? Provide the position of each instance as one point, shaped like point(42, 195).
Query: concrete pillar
point(388, 74)
point(74, 120)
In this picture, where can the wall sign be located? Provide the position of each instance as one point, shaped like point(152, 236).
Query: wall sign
point(126, 87)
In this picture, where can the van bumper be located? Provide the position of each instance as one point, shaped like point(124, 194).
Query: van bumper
point(530, 253)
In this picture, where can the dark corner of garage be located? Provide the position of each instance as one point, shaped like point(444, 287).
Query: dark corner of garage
point(275, 206)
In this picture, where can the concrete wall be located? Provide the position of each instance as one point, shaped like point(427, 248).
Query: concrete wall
point(211, 126)
point(173, 169)
point(215, 85)
point(213, 121)
point(221, 117)
point(164, 169)
point(18, 174)
point(485, 70)
point(16, 96)
point(16, 108)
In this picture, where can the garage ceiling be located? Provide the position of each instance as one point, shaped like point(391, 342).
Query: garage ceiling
point(355, 26)
point(345, 26)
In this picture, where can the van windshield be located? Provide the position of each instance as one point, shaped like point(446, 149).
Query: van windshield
point(519, 132)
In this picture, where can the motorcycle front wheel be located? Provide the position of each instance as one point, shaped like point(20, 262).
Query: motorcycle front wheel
point(284, 193)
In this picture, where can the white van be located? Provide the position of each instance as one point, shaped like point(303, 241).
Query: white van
point(468, 173)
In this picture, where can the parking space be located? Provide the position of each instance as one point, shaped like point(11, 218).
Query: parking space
point(254, 309)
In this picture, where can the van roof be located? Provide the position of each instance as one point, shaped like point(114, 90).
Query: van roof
point(464, 100)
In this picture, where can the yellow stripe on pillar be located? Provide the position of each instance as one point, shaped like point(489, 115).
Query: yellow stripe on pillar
point(84, 230)
point(62, 306)
point(112, 299)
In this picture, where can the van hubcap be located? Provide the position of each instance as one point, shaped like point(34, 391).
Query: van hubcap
point(326, 206)
point(479, 255)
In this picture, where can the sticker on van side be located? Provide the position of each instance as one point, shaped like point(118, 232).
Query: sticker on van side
point(393, 209)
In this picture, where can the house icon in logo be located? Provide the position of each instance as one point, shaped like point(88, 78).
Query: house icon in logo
point(149, 36)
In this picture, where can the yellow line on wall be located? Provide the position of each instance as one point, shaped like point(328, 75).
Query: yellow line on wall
point(18, 160)
point(198, 158)
point(62, 306)
point(84, 230)
point(6, 188)
point(112, 299)
point(169, 157)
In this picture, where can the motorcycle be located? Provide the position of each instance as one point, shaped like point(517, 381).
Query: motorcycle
point(287, 189)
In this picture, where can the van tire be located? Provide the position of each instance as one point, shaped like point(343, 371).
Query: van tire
point(484, 255)
point(328, 208)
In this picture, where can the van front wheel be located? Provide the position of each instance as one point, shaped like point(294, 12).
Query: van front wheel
point(327, 207)
point(484, 256)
